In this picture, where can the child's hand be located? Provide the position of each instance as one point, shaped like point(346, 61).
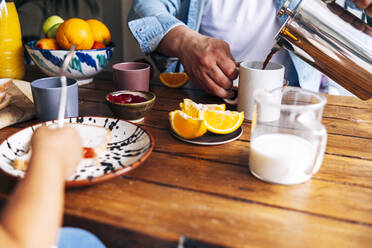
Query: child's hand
point(61, 146)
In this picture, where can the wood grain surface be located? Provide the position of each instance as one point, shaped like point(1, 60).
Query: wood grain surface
point(207, 195)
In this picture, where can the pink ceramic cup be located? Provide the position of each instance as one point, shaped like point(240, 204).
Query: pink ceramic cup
point(131, 76)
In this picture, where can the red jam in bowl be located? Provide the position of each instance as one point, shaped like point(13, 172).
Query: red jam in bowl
point(125, 98)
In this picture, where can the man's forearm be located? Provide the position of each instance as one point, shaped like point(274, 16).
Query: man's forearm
point(175, 40)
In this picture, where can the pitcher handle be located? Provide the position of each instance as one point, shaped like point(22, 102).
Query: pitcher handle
point(321, 133)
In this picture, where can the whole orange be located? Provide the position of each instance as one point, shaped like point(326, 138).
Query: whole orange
point(76, 32)
point(100, 31)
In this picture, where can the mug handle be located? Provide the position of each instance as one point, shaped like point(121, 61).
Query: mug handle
point(234, 100)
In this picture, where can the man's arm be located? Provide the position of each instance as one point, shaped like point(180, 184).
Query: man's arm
point(149, 21)
point(34, 212)
point(208, 61)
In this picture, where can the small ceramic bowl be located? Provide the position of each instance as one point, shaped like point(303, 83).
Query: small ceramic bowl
point(133, 112)
point(84, 65)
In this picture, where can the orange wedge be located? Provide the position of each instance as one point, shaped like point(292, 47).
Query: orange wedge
point(186, 126)
point(174, 79)
point(221, 122)
point(192, 108)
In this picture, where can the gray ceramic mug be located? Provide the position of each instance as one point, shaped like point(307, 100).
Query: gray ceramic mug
point(47, 93)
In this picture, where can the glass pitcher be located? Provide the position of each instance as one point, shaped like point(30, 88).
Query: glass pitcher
point(288, 140)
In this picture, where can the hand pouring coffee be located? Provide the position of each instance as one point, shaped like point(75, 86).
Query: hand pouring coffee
point(332, 40)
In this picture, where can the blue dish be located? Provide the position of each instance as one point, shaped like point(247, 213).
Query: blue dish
point(84, 65)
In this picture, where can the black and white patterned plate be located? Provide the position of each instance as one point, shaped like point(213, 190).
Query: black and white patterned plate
point(129, 147)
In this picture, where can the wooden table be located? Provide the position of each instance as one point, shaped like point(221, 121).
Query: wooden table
point(206, 195)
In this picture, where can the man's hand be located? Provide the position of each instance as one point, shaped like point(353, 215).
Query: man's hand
point(61, 146)
point(207, 61)
point(365, 5)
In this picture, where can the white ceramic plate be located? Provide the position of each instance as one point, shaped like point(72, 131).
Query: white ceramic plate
point(129, 147)
point(210, 139)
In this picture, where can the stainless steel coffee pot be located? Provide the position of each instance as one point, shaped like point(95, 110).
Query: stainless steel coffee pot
point(331, 39)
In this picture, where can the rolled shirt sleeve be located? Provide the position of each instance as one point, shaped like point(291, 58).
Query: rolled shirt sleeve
point(150, 21)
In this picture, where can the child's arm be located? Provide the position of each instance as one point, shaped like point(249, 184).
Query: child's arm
point(34, 211)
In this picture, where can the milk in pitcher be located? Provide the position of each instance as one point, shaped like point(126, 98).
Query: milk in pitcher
point(281, 158)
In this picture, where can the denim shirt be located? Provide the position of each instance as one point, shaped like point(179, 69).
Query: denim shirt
point(150, 21)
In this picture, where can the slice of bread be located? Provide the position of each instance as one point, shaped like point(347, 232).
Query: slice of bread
point(5, 101)
point(5, 83)
point(91, 136)
point(2, 96)
point(20, 163)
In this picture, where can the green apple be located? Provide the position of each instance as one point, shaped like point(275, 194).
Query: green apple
point(50, 22)
point(53, 31)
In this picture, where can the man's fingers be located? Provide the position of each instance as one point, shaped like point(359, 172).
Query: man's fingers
point(211, 87)
point(362, 4)
point(369, 11)
point(219, 78)
point(229, 69)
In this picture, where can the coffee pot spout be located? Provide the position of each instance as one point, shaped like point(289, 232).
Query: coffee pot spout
point(332, 40)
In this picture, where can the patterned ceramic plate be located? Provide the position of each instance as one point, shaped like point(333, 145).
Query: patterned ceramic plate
point(210, 139)
point(129, 147)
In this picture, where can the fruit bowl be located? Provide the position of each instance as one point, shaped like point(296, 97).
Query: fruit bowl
point(83, 67)
point(133, 112)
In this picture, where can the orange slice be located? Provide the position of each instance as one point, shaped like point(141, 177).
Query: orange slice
point(222, 122)
point(186, 126)
point(174, 79)
point(192, 108)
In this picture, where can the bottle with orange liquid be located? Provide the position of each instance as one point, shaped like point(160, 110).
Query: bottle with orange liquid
point(11, 49)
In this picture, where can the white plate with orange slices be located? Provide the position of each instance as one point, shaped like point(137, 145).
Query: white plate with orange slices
point(205, 124)
point(211, 139)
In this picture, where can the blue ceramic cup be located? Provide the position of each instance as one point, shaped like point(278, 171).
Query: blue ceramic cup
point(47, 93)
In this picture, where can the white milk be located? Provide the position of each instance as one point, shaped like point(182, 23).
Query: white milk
point(281, 158)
